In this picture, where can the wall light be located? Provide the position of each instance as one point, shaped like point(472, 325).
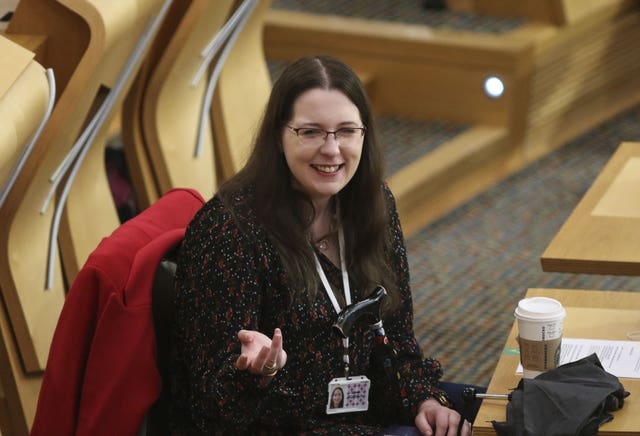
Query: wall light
point(493, 87)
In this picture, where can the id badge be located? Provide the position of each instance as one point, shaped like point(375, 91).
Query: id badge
point(348, 394)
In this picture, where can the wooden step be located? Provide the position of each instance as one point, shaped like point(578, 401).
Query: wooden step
point(448, 176)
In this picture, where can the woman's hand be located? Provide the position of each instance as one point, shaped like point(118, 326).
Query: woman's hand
point(259, 354)
point(435, 419)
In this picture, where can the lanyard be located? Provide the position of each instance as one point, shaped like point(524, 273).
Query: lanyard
point(345, 275)
point(331, 295)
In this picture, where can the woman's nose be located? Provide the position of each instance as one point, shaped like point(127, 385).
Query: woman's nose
point(331, 145)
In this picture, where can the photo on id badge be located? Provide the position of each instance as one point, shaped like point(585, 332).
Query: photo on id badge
point(348, 395)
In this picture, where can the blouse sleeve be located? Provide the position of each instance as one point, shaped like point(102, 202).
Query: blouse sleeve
point(220, 284)
point(420, 376)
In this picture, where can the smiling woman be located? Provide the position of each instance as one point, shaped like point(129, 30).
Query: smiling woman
point(307, 227)
point(321, 163)
point(337, 398)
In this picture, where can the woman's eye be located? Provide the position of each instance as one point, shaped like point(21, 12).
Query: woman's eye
point(348, 131)
point(310, 132)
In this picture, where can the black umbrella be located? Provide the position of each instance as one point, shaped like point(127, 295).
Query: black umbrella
point(573, 399)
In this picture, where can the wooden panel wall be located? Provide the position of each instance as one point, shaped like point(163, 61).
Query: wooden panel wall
point(416, 71)
point(583, 75)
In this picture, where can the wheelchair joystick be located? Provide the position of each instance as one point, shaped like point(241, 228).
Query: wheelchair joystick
point(369, 309)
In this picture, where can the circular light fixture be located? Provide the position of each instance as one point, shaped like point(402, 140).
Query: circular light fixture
point(493, 87)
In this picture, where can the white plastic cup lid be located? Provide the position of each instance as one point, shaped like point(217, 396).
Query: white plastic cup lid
point(539, 309)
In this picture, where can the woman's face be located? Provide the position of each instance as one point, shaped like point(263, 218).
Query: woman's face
point(322, 170)
point(337, 397)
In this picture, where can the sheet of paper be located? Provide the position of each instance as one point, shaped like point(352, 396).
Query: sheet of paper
point(620, 358)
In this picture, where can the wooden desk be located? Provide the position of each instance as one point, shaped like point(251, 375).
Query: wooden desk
point(590, 314)
point(602, 234)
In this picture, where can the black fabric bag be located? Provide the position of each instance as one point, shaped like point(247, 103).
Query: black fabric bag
point(573, 399)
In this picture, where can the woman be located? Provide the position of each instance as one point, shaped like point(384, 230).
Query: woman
point(337, 399)
point(306, 227)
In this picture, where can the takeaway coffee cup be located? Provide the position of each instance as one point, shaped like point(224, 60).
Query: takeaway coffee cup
point(539, 334)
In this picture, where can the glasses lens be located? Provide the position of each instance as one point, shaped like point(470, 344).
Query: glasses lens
point(309, 136)
point(312, 136)
point(348, 134)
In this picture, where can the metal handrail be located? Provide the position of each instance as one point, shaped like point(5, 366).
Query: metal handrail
point(217, 69)
point(143, 42)
point(26, 152)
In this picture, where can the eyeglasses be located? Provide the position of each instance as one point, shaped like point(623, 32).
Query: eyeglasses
point(315, 137)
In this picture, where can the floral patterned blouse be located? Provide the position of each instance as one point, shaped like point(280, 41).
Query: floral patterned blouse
point(230, 279)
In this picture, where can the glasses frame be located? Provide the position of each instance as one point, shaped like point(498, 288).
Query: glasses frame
point(295, 130)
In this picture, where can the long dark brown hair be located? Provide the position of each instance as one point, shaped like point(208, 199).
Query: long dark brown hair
point(286, 213)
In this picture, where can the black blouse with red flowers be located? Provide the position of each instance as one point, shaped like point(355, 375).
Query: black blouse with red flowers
point(230, 279)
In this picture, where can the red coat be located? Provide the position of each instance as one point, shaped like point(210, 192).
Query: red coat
point(101, 376)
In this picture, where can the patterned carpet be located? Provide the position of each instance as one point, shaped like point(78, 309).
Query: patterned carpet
point(405, 140)
point(470, 268)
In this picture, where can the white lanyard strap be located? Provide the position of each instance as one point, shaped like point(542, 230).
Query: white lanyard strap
point(345, 287)
point(345, 276)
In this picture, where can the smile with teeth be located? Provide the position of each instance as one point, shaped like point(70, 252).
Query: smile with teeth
point(327, 168)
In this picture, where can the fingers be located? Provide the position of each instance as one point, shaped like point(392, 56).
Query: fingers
point(276, 346)
point(261, 360)
point(245, 336)
point(282, 354)
point(423, 425)
point(437, 420)
point(467, 429)
point(447, 422)
point(426, 417)
point(260, 354)
point(242, 362)
point(276, 352)
point(274, 361)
